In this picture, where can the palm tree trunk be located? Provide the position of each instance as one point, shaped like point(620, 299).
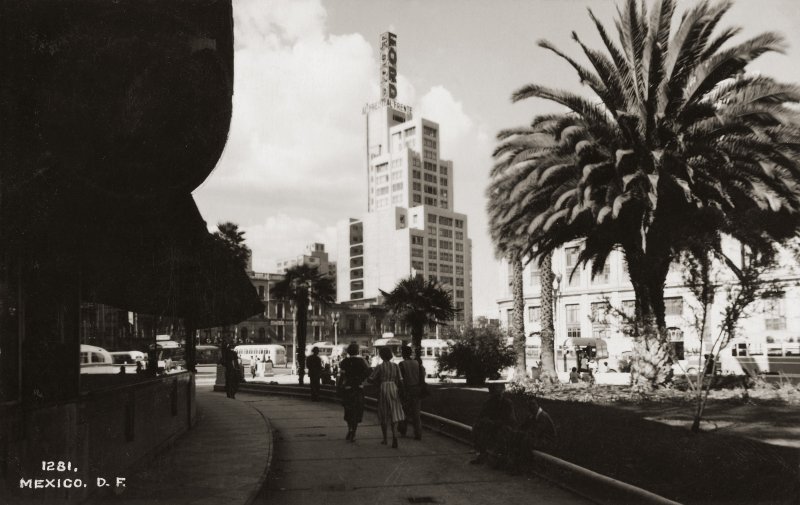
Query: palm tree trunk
point(300, 351)
point(417, 331)
point(651, 364)
point(548, 333)
point(517, 317)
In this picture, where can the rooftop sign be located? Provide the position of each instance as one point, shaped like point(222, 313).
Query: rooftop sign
point(388, 66)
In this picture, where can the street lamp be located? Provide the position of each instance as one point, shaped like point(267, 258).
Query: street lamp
point(556, 289)
point(294, 340)
point(336, 328)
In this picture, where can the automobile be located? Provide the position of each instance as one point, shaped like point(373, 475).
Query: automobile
point(128, 357)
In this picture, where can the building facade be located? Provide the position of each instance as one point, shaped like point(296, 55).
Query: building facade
point(580, 305)
point(410, 226)
point(315, 256)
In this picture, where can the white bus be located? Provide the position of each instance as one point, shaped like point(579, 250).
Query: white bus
point(277, 353)
point(430, 350)
point(394, 345)
point(97, 360)
point(762, 356)
point(328, 353)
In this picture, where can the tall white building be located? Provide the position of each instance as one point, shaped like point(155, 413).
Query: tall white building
point(410, 226)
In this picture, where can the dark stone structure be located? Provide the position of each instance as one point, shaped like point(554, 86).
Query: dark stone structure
point(112, 113)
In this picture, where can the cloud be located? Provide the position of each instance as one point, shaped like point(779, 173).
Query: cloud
point(294, 162)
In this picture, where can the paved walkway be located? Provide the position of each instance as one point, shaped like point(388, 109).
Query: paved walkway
point(221, 461)
point(314, 464)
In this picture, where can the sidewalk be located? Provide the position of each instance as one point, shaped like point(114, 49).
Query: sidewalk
point(222, 460)
point(314, 464)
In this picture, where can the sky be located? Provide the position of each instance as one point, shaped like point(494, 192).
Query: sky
point(294, 162)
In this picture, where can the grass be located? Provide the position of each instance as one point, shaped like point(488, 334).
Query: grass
point(644, 440)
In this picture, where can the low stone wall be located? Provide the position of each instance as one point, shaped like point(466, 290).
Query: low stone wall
point(103, 435)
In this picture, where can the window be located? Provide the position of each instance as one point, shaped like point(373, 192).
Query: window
point(279, 310)
point(383, 167)
point(572, 313)
point(673, 306)
point(417, 186)
point(534, 314)
point(459, 270)
point(459, 281)
point(431, 230)
point(571, 260)
point(396, 163)
point(443, 169)
point(416, 174)
point(445, 221)
point(459, 293)
point(384, 190)
point(444, 232)
point(445, 244)
point(431, 254)
point(431, 190)
point(459, 258)
point(775, 313)
point(415, 161)
point(446, 280)
point(417, 240)
point(432, 278)
point(430, 201)
point(447, 269)
point(417, 198)
point(410, 132)
point(433, 267)
point(535, 277)
point(397, 186)
point(432, 218)
point(417, 265)
point(445, 256)
point(429, 155)
point(431, 242)
point(459, 247)
point(430, 166)
point(261, 293)
point(603, 276)
point(416, 253)
point(460, 235)
point(459, 223)
point(443, 181)
point(430, 178)
point(427, 130)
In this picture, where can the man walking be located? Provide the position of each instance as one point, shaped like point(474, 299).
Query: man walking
point(230, 360)
point(413, 374)
point(314, 365)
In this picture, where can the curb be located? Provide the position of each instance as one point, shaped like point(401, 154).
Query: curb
point(270, 454)
point(604, 490)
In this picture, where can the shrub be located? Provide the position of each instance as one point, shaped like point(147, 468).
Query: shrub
point(478, 354)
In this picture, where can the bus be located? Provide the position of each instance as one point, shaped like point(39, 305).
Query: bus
point(208, 357)
point(394, 344)
point(97, 360)
point(169, 354)
point(430, 350)
point(328, 353)
point(276, 353)
point(761, 357)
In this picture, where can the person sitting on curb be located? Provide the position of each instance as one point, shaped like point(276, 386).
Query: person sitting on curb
point(574, 377)
point(494, 427)
point(538, 429)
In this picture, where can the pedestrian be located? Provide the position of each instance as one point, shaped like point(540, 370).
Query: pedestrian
point(314, 365)
point(574, 378)
point(230, 360)
point(353, 371)
point(390, 409)
point(253, 366)
point(538, 428)
point(413, 374)
point(122, 370)
point(139, 368)
point(495, 426)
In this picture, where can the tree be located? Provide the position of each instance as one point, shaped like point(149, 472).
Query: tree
point(523, 153)
point(229, 235)
point(478, 354)
point(302, 285)
point(679, 143)
point(517, 327)
point(419, 303)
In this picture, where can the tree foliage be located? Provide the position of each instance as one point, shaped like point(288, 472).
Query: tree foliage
point(678, 143)
point(478, 354)
point(232, 239)
point(418, 303)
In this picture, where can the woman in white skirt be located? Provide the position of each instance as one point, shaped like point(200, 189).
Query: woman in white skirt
point(390, 408)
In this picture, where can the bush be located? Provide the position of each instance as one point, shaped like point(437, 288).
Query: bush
point(478, 354)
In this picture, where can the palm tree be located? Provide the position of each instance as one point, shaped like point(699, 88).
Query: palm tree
point(229, 235)
point(418, 303)
point(301, 285)
point(680, 142)
point(522, 156)
point(517, 327)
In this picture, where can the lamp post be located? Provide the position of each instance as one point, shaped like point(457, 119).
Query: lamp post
point(294, 340)
point(556, 290)
point(336, 328)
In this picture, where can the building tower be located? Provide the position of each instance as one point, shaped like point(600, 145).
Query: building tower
point(410, 226)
